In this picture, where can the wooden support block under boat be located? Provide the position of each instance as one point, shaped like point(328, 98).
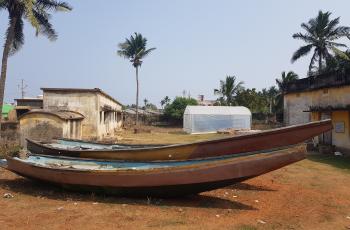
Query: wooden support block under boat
point(175, 178)
point(213, 148)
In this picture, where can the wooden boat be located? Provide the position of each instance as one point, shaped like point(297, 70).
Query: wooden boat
point(169, 178)
point(219, 147)
point(71, 144)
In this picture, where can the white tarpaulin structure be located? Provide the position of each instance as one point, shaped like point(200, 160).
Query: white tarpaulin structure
point(206, 119)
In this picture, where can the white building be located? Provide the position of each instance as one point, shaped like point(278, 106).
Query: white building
point(206, 119)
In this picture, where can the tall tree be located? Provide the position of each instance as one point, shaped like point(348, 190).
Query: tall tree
point(145, 101)
point(285, 79)
point(340, 63)
point(270, 96)
point(320, 35)
point(165, 101)
point(36, 12)
point(135, 49)
point(228, 90)
point(282, 84)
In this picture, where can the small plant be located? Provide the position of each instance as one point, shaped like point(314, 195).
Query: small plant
point(9, 150)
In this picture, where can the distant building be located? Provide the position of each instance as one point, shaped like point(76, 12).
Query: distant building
point(24, 105)
point(6, 108)
point(88, 114)
point(321, 97)
point(33, 102)
point(146, 117)
point(46, 125)
point(208, 119)
point(203, 102)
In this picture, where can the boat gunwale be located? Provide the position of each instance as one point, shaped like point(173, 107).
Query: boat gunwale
point(98, 143)
point(213, 141)
point(221, 157)
point(205, 165)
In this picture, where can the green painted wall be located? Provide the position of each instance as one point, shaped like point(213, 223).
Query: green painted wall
point(6, 109)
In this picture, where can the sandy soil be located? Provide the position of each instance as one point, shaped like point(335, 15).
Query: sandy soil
point(312, 194)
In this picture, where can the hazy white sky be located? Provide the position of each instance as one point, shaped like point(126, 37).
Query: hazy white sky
point(198, 43)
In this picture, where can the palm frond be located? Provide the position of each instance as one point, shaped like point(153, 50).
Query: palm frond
point(304, 37)
point(18, 39)
point(53, 5)
point(340, 54)
point(217, 92)
point(336, 44)
point(307, 27)
point(302, 51)
point(339, 32)
point(45, 27)
point(147, 52)
point(3, 4)
point(29, 14)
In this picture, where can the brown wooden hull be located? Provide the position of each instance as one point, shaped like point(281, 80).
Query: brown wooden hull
point(173, 181)
point(213, 148)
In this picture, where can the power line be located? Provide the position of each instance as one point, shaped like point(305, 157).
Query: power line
point(22, 88)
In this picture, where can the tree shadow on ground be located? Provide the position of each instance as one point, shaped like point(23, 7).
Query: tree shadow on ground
point(250, 187)
point(38, 189)
point(341, 162)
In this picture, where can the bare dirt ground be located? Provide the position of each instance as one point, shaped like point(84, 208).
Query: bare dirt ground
point(311, 194)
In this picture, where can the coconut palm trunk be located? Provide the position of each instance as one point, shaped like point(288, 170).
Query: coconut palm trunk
point(137, 96)
point(5, 55)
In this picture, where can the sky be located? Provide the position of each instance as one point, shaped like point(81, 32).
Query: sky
point(197, 42)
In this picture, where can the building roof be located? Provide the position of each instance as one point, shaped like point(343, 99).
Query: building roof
point(330, 80)
point(62, 114)
point(81, 90)
point(141, 111)
point(328, 108)
point(29, 99)
point(217, 110)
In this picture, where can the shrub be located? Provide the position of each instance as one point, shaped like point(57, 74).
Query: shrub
point(174, 112)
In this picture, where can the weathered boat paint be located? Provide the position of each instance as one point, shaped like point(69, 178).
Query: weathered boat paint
point(158, 179)
point(85, 145)
point(219, 147)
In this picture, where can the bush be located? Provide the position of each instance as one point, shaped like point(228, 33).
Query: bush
point(9, 150)
point(174, 112)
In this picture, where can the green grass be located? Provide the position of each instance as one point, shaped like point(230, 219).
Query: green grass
point(340, 162)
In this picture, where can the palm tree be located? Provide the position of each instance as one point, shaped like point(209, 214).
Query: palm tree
point(285, 80)
point(36, 12)
point(321, 33)
point(340, 63)
point(146, 102)
point(135, 50)
point(165, 101)
point(228, 90)
point(282, 84)
point(270, 96)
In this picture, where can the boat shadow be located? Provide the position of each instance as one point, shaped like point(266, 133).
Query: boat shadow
point(43, 190)
point(250, 187)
